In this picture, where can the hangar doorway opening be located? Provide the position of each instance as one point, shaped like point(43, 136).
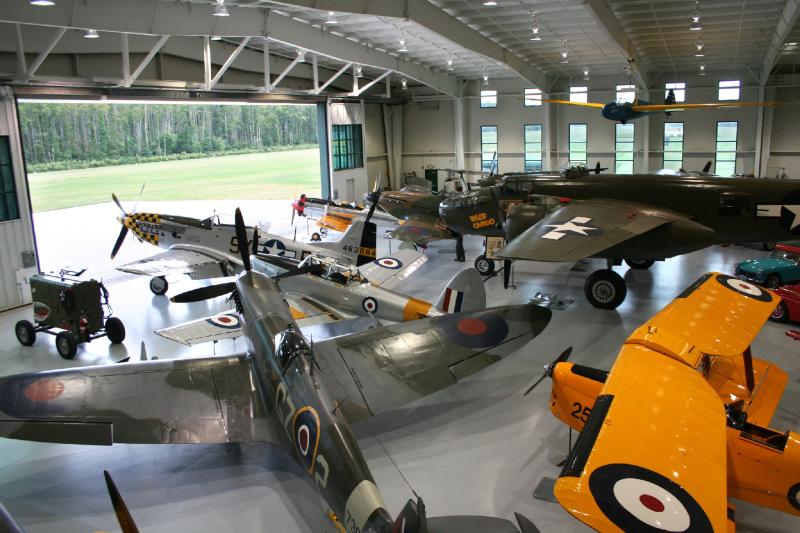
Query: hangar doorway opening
point(183, 159)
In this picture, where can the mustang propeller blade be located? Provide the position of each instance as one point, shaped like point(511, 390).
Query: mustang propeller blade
point(241, 237)
point(548, 370)
point(254, 250)
point(204, 293)
point(126, 523)
point(119, 204)
point(120, 239)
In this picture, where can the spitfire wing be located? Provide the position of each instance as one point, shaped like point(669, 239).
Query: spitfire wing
point(420, 231)
point(384, 368)
point(652, 455)
point(209, 329)
point(197, 265)
point(583, 229)
point(681, 107)
point(390, 270)
point(168, 401)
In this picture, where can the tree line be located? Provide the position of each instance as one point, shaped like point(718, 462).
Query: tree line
point(62, 136)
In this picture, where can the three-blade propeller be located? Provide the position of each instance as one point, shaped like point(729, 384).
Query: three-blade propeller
point(122, 232)
point(124, 517)
point(548, 369)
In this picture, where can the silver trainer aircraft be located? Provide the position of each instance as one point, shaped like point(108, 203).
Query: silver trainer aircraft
point(203, 249)
point(283, 389)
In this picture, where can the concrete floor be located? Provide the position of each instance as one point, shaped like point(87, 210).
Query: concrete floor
point(476, 448)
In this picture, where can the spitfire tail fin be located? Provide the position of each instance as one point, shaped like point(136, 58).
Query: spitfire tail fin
point(465, 292)
point(359, 243)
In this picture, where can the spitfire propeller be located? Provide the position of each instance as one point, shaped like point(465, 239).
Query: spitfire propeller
point(124, 517)
point(548, 369)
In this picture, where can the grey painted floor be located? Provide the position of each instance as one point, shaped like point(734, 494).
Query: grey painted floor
point(476, 448)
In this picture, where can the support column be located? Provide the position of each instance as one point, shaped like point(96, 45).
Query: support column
point(458, 123)
point(759, 143)
point(324, 158)
point(645, 95)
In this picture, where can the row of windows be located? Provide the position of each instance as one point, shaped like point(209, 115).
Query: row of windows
point(728, 90)
point(624, 135)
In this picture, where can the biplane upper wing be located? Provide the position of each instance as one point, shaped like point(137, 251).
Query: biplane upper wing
point(652, 455)
point(681, 107)
point(197, 265)
point(390, 270)
point(596, 105)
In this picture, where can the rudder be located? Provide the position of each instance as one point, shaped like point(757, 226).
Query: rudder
point(464, 292)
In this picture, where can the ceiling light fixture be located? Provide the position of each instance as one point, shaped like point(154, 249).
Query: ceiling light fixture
point(490, 3)
point(702, 69)
point(220, 10)
point(485, 79)
point(402, 44)
point(44, 3)
point(450, 63)
point(564, 52)
point(696, 26)
point(216, 38)
point(586, 73)
point(331, 20)
point(359, 71)
point(699, 45)
point(91, 34)
point(404, 84)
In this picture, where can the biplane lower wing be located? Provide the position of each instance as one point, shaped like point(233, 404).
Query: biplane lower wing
point(652, 455)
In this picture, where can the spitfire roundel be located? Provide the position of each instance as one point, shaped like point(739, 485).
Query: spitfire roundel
point(389, 262)
point(305, 436)
point(370, 305)
point(478, 331)
point(638, 499)
point(744, 288)
point(224, 320)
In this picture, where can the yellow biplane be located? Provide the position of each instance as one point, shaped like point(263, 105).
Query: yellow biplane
point(681, 422)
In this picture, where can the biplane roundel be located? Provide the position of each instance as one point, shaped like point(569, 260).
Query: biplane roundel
point(744, 288)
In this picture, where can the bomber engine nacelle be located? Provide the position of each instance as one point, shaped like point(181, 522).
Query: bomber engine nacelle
point(521, 217)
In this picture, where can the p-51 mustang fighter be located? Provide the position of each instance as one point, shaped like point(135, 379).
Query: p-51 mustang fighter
point(203, 249)
point(640, 218)
point(681, 423)
point(284, 389)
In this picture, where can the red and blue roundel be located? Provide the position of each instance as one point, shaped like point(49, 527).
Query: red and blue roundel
point(224, 321)
point(475, 331)
point(389, 262)
point(305, 436)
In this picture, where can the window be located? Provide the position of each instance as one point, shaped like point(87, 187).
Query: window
point(626, 93)
point(533, 97)
point(578, 94)
point(8, 193)
point(577, 144)
point(488, 148)
point(679, 88)
point(533, 147)
point(673, 145)
point(729, 90)
point(347, 146)
point(726, 148)
point(489, 98)
point(623, 163)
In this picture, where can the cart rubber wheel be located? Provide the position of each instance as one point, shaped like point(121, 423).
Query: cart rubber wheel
point(780, 313)
point(483, 265)
point(26, 333)
point(605, 289)
point(115, 330)
point(66, 344)
point(640, 264)
point(159, 285)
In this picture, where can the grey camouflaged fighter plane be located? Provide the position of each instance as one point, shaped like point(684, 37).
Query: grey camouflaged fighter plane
point(284, 389)
point(204, 249)
point(637, 218)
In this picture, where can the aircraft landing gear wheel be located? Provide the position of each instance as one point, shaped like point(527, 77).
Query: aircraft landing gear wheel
point(26, 334)
point(640, 264)
point(484, 266)
point(66, 345)
point(780, 314)
point(605, 289)
point(159, 285)
point(115, 330)
point(773, 281)
point(315, 237)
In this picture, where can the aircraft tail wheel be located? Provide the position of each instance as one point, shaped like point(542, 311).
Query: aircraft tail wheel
point(780, 313)
point(605, 289)
point(315, 237)
point(640, 264)
point(484, 266)
point(159, 285)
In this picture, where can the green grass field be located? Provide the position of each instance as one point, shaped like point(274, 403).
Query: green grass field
point(265, 176)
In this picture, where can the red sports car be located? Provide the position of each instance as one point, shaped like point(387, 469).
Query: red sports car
point(788, 309)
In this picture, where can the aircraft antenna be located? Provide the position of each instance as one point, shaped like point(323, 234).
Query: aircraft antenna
point(408, 483)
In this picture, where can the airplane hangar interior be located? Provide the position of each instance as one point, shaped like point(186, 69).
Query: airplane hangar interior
point(422, 266)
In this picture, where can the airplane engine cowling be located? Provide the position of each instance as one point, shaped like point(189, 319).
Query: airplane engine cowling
point(521, 217)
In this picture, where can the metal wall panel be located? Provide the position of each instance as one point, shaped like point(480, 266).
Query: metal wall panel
point(16, 236)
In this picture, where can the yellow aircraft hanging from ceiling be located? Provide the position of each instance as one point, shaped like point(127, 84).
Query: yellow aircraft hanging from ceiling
point(625, 111)
point(681, 422)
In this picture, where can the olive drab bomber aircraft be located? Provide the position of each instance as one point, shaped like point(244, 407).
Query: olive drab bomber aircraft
point(701, 421)
point(283, 389)
point(204, 249)
point(638, 218)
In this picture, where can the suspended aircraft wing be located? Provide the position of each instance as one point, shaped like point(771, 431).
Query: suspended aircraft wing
point(384, 368)
point(421, 231)
point(388, 271)
point(197, 265)
point(584, 228)
point(652, 455)
point(681, 107)
point(581, 104)
point(166, 401)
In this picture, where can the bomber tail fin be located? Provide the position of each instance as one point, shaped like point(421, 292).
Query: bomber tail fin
point(465, 292)
point(359, 243)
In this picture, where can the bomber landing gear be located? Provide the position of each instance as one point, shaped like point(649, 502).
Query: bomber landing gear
point(159, 285)
point(605, 289)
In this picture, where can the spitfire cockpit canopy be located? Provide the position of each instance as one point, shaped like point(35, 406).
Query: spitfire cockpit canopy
point(333, 270)
point(289, 344)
